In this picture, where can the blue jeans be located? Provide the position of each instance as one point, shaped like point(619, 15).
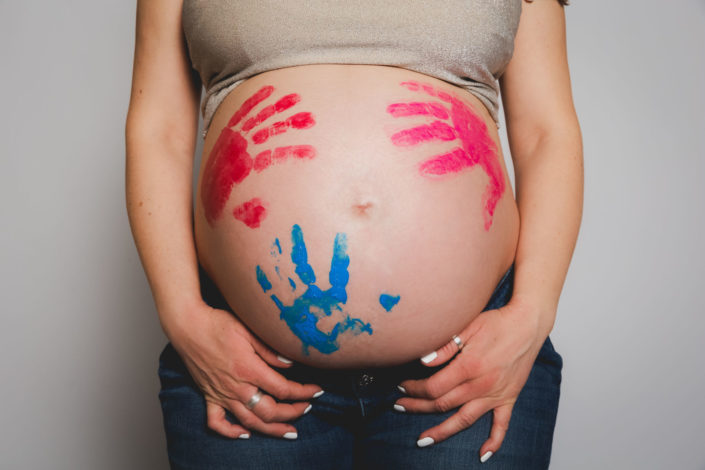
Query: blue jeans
point(354, 425)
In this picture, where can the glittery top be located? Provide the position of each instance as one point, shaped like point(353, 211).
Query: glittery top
point(465, 42)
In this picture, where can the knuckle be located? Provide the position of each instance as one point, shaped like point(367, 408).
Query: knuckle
point(213, 422)
point(240, 371)
point(466, 419)
point(470, 367)
point(481, 365)
point(442, 404)
point(502, 426)
point(266, 413)
point(492, 377)
point(486, 383)
point(280, 390)
point(249, 421)
point(448, 349)
point(287, 391)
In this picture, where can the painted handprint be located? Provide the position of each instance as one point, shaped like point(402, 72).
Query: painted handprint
point(230, 162)
point(457, 122)
point(303, 314)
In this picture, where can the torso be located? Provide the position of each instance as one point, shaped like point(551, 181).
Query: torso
point(405, 250)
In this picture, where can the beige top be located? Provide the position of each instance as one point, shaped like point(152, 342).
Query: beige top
point(465, 42)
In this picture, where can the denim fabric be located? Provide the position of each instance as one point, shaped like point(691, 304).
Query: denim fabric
point(354, 425)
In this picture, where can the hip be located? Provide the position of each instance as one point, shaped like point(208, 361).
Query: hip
point(354, 424)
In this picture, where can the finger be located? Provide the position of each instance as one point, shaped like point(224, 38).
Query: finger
point(269, 411)
point(432, 108)
point(442, 355)
point(456, 397)
point(261, 95)
point(281, 105)
point(276, 385)
point(435, 131)
point(451, 348)
point(438, 164)
point(500, 424)
point(464, 418)
point(268, 355)
point(264, 351)
point(215, 415)
point(439, 383)
point(251, 421)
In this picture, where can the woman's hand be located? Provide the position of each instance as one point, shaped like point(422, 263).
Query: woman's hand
point(499, 350)
point(230, 365)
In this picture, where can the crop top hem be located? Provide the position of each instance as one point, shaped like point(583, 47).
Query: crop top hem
point(215, 97)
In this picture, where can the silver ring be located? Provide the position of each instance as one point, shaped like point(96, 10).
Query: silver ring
point(254, 399)
point(458, 342)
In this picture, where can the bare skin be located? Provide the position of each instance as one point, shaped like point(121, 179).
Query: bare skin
point(421, 237)
point(229, 362)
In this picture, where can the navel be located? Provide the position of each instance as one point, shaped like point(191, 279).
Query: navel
point(363, 209)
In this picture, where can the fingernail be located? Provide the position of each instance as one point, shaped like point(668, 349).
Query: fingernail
point(243, 436)
point(429, 357)
point(285, 360)
point(290, 435)
point(318, 394)
point(399, 408)
point(426, 441)
point(486, 456)
point(308, 408)
point(401, 389)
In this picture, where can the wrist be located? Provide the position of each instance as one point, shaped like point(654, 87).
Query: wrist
point(541, 314)
point(177, 318)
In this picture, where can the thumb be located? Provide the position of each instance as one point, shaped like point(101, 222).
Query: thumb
point(454, 346)
point(269, 356)
point(500, 424)
point(265, 352)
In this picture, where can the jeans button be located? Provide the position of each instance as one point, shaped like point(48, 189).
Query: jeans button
point(365, 380)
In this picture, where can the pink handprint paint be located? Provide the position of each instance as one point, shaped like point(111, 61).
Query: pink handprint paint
point(457, 122)
point(230, 162)
point(251, 212)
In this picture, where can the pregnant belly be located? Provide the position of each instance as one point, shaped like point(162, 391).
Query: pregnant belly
point(354, 215)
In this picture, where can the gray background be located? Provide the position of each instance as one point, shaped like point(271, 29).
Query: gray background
point(79, 338)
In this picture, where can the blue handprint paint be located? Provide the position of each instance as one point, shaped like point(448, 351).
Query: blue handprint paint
point(262, 279)
point(298, 316)
point(388, 301)
point(275, 249)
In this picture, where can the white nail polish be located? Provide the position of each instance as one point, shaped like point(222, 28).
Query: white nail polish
point(401, 389)
point(290, 435)
point(426, 441)
point(243, 436)
point(429, 357)
point(318, 394)
point(399, 408)
point(486, 456)
point(308, 408)
point(285, 360)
